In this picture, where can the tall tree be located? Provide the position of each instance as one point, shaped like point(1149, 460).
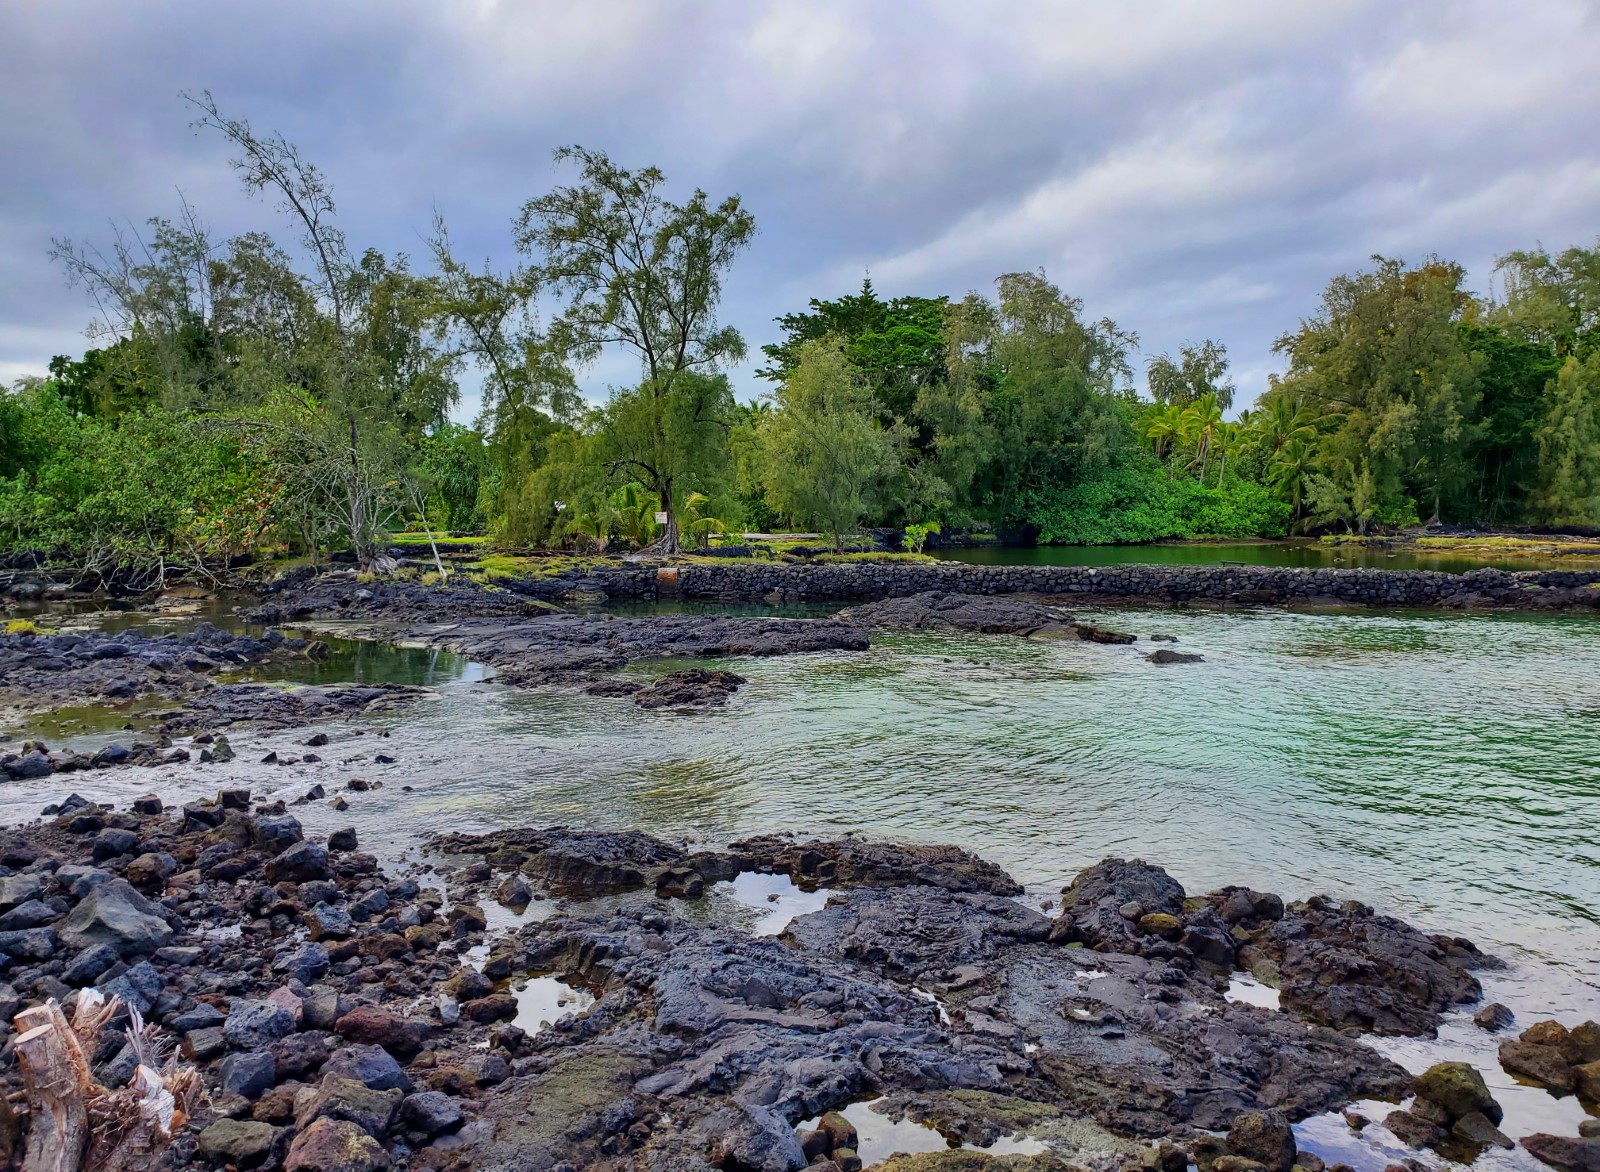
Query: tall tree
point(369, 375)
point(1569, 446)
point(1199, 370)
point(897, 345)
point(644, 273)
point(826, 456)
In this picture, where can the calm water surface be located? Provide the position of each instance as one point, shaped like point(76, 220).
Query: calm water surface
point(1445, 768)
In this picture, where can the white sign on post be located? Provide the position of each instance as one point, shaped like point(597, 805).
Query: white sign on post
point(661, 518)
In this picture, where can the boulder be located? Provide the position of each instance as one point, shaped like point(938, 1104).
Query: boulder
point(115, 913)
point(299, 863)
point(1265, 1138)
point(1565, 1153)
point(346, 1099)
point(242, 1143)
point(255, 1025)
point(1545, 1065)
point(1458, 1090)
point(335, 1145)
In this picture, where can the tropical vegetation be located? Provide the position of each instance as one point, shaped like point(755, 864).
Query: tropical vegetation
point(246, 396)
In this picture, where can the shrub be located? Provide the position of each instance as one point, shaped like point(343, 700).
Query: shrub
point(1136, 503)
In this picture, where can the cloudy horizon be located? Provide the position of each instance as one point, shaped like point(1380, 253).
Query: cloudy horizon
point(1189, 170)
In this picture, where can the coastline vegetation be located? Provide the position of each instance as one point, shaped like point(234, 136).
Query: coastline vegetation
point(248, 396)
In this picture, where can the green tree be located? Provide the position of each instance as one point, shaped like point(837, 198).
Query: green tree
point(1385, 357)
point(827, 457)
point(897, 345)
point(644, 273)
point(1569, 446)
point(1199, 370)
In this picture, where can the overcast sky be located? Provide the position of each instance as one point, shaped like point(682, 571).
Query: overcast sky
point(1191, 169)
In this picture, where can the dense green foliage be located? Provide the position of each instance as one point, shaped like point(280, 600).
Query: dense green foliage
point(242, 397)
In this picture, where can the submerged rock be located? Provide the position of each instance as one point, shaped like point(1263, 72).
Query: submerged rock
point(695, 687)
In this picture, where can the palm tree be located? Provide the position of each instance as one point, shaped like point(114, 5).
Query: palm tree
point(1289, 468)
point(1203, 418)
point(1164, 429)
point(594, 526)
point(636, 513)
point(1230, 437)
point(1279, 420)
point(699, 526)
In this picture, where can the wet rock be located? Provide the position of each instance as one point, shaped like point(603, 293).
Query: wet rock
point(1167, 655)
point(299, 863)
point(694, 688)
point(242, 1143)
point(115, 913)
point(935, 610)
point(1093, 905)
point(1458, 1090)
point(1564, 1153)
point(1545, 1065)
point(1343, 965)
point(335, 1145)
point(342, 840)
point(1478, 1131)
point(1265, 1138)
point(1414, 1130)
point(852, 862)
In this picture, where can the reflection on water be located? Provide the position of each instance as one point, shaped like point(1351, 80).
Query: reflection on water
point(1442, 767)
point(542, 1001)
point(1304, 554)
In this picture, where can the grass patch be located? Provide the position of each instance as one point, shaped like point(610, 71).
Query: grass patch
point(847, 559)
point(439, 539)
point(506, 565)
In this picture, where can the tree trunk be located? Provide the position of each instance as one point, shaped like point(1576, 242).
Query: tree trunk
point(55, 1078)
point(668, 543)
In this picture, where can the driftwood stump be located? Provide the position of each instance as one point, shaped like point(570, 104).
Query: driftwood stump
point(75, 1124)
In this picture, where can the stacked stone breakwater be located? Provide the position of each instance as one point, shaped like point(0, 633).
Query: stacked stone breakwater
point(1240, 585)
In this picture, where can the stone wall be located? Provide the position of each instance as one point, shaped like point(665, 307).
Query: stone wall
point(1258, 585)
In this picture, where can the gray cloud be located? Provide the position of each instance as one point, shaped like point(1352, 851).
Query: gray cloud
point(1191, 169)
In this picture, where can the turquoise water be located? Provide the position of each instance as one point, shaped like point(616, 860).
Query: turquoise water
point(1443, 767)
point(1312, 554)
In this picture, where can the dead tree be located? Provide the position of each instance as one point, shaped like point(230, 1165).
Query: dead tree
point(76, 1124)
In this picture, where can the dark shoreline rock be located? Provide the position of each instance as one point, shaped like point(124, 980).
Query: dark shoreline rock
point(922, 978)
point(1131, 584)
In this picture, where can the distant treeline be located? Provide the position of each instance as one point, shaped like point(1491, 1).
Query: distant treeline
point(243, 397)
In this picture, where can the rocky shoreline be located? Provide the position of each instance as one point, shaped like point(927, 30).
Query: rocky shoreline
point(1155, 585)
point(345, 1016)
